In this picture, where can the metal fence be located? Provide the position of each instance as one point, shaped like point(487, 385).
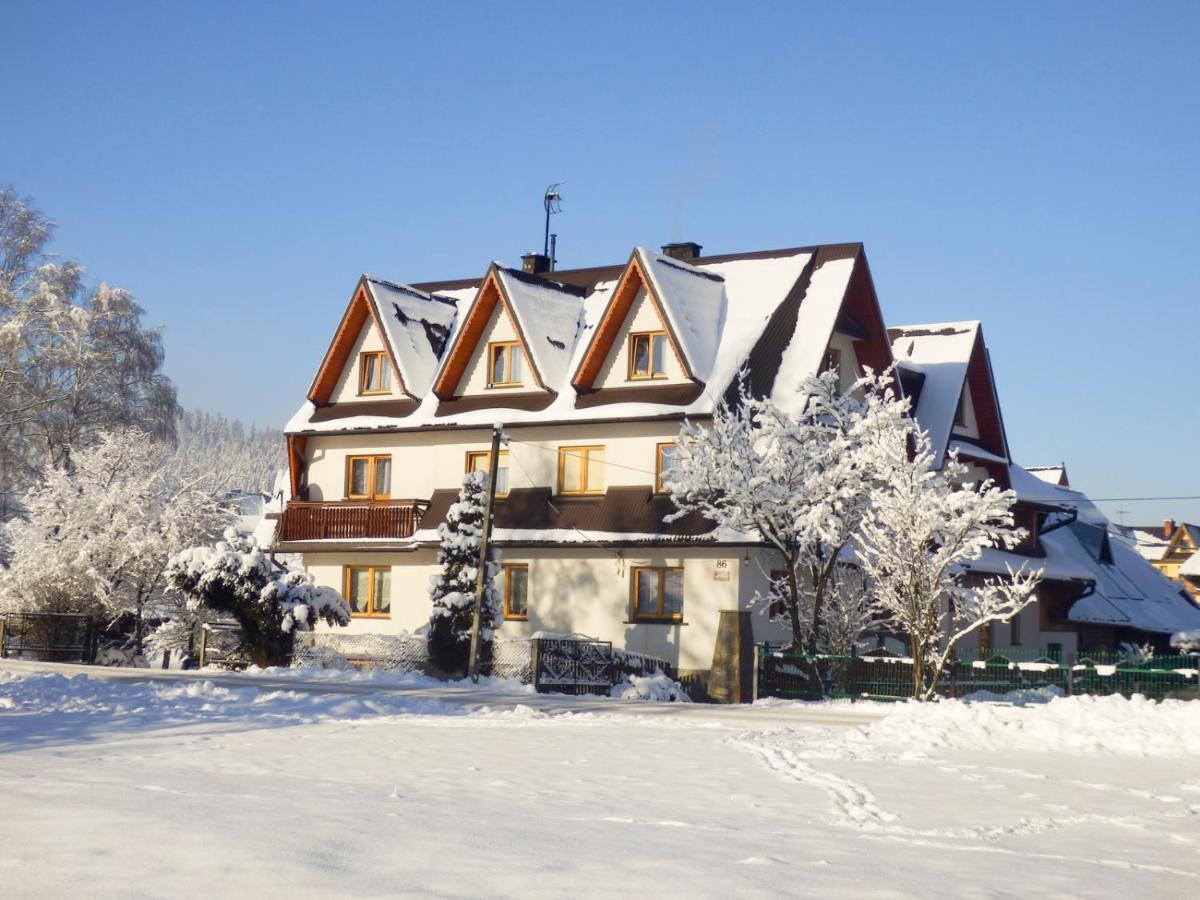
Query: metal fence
point(552, 665)
point(800, 676)
point(48, 637)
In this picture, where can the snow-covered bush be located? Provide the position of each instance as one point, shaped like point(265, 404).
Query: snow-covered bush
point(236, 577)
point(1131, 654)
point(658, 688)
point(453, 590)
point(924, 525)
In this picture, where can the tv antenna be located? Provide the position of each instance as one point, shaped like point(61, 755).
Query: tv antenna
point(552, 201)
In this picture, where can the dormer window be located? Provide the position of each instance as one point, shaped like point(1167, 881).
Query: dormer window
point(505, 364)
point(647, 352)
point(374, 373)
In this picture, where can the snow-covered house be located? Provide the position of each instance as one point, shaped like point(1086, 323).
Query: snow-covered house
point(591, 372)
point(1098, 590)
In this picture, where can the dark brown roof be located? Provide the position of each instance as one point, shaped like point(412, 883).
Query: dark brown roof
point(665, 394)
point(588, 278)
point(533, 401)
point(364, 408)
point(633, 510)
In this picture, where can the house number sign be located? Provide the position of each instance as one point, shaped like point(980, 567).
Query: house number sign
point(721, 570)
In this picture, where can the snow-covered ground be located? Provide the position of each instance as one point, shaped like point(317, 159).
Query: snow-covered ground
point(139, 785)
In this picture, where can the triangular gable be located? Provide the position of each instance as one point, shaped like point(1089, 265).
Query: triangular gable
point(360, 311)
point(412, 325)
point(545, 316)
point(986, 402)
point(1183, 541)
point(690, 303)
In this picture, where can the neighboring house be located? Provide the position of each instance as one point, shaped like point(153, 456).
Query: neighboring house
point(591, 372)
point(1183, 542)
point(1097, 591)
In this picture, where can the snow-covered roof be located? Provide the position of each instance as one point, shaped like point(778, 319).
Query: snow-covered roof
point(1191, 566)
point(549, 316)
point(805, 352)
point(1151, 546)
point(1128, 591)
point(941, 352)
point(1049, 474)
point(1031, 489)
point(694, 303)
point(733, 297)
point(416, 326)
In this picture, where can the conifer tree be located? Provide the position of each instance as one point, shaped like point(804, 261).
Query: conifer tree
point(453, 591)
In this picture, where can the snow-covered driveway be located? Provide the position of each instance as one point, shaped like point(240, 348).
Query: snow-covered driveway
point(115, 787)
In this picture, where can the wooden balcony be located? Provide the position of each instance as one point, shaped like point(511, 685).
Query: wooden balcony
point(350, 519)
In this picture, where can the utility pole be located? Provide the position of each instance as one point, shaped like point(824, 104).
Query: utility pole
point(484, 545)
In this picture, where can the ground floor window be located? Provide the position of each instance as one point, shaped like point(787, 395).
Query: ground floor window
point(516, 592)
point(368, 590)
point(658, 593)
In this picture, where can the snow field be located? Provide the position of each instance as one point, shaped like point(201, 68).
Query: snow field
point(113, 787)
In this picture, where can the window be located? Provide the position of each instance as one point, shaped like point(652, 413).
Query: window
point(1014, 636)
point(369, 477)
point(646, 353)
point(516, 592)
point(960, 411)
point(504, 364)
point(580, 470)
point(368, 590)
point(374, 373)
point(658, 593)
point(664, 466)
point(477, 461)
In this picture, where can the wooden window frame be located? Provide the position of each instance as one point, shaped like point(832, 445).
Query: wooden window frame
point(635, 614)
point(371, 613)
point(659, 487)
point(776, 608)
point(960, 411)
point(373, 459)
point(382, 358)
point(649, 374)
point(485, 454)
point(509, 615)
point(510, 347)
point(584, 462)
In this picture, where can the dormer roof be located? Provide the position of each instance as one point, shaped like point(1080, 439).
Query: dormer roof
point(546, 316)
point(414, 324)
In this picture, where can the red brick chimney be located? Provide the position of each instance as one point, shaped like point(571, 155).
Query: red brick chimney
point(1168, 528)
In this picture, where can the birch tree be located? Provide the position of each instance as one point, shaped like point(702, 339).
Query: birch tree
point(800, 482)
point(925, 524)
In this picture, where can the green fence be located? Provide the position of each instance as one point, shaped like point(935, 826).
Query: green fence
point(799, 676)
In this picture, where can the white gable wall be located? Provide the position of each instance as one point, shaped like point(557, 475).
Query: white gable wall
point(642, 316)
point(475, 376)
point(346, 389)
point(850, 369)
point(969, 428)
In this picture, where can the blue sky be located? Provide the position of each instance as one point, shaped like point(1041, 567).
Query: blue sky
point(1031, 165)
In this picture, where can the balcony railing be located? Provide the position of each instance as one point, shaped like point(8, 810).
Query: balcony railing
point(350, 519)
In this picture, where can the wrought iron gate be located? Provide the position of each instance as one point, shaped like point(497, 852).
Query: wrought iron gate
point(572, 666)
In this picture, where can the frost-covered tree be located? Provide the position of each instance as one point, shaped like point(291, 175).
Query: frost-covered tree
point(271, 604)
point(243, 458)
point(75, 362)
point(96, 536)
point(453, 589)
point(799, 479)
point(925, 524)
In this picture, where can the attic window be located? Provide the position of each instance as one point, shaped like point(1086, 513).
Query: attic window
point(374, 373)
point(960, 411)
point(833, 360)
point(504, 364)
point(647, 350)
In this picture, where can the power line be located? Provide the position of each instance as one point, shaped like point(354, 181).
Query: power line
point(1136, 499)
